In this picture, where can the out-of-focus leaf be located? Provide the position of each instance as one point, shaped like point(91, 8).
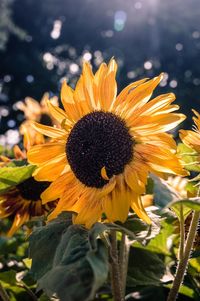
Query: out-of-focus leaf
point(150, 186)
point(11, 176)
point(15, 163)
point(43, 297)
point(153, 293)
point(165, 195)
point(163, 192)
point(8, 278)
point(186, 291)
point(191, 189)
point(27, 262)
point(76, 262)
point(194, 263)
point(145, 268)
point(190, 204)
point(8, 245)
point(189, 157)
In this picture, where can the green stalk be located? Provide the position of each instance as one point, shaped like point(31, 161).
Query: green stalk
point(4, 296)
point(182, 234)
point(115, 270)
point(123, 261)
point(182, 266)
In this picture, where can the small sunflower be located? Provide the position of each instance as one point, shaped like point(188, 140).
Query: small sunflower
point(23, 202)
point(192, 138)
point(99, 159)
point(36, 111)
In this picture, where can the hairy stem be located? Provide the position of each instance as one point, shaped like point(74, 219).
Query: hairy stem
point(182, 266)
point(123, 261)
point(182, 234)
point(4, 296)
point(115, 270)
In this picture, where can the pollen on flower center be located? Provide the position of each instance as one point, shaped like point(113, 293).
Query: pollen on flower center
point(99, 139)
point(31, 189)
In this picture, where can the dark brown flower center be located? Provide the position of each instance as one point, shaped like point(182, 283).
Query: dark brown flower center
point(31, 190)
point(46, 120)
point(99, 139)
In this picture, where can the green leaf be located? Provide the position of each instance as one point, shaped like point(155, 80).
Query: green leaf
point(195, 264)
point(43, 244)
point(27, 262)
point(43, 297)
point(165, 195)
point(189, 157)
point(150, 186)
point(190, 204)
point(186, 291)
point(145, 268)
point(11, 176)
point(160, 243)
point(67, 260)
point(177, 207)
point(8, 278)
point(15, 163)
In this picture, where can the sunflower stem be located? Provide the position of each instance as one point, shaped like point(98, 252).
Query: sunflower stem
point(29, 291)
point(182, 266)
point(3, 294)
point(182, 234)
point(115, 269)
point(123, 261)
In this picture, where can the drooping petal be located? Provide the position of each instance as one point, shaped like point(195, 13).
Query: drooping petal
point(57, 188)
point(137, 206)
point(116, 204)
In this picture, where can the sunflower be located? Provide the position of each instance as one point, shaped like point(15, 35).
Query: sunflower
point(99, 159)
point(192, 138)
point(36, 111)
point(23, 202)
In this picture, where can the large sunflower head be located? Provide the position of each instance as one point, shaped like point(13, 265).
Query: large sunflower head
point(99, 158)
point(22, 202)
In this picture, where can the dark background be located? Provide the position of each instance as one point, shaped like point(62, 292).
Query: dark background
point(43, 41)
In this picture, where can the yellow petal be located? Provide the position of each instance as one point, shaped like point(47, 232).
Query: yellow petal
point(191, 139)
point(19, 220)
point(48, 131)
point(124, 93)
point(67, 98)
point(90, 213)
point(39, 154)
point(58, 114)
point(137, 206)
point(57, 188)
point(104, 173)
point(51, 170)
point(116, 205)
